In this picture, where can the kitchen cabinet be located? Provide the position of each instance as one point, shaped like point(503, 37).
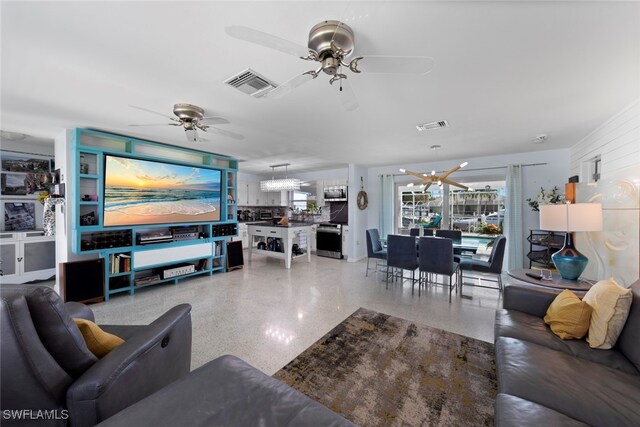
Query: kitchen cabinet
point(26, 256)
point(255, 195)
point(345, 241)
point(320, 193)
point(243, 194)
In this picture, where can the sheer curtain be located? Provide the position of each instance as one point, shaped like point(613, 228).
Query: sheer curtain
point(386, 205)
point(513, 223)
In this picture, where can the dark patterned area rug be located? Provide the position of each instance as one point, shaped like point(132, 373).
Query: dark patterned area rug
point(380, 370)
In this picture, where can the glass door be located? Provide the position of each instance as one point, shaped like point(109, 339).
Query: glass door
point(450, 207)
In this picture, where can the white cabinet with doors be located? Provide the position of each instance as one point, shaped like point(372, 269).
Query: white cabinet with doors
point(254, 194)
point(27, 256)
point(243, 194)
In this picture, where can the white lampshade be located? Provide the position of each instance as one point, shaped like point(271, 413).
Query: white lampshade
point(571, 217)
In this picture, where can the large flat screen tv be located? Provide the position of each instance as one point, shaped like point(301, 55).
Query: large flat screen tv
point(141, 192)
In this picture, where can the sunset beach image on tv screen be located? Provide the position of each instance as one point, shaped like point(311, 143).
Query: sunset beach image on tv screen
point(138, 192)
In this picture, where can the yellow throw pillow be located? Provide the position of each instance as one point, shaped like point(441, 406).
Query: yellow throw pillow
point(610, 303)
point(567, 316)
point(98, 341)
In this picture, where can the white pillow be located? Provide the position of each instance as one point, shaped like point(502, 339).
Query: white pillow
point(610, 303)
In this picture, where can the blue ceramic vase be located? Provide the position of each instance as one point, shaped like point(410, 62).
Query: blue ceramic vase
point(569, 262)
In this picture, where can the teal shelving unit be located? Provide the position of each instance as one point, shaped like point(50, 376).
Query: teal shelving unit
point(132, 261)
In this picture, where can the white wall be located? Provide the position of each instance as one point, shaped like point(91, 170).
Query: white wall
point(613, 252)
point(553, 172)
point(358, 219)
point(27, 147)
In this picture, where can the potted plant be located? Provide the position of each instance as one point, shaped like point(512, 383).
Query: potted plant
point(552, 197)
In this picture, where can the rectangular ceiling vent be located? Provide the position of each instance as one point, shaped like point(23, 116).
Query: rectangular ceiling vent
point(251, 83)
point(432, 125)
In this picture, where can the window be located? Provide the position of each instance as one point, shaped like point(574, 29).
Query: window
point(299, 200)
point(460, 209)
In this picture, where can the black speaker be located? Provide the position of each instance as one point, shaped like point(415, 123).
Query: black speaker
point(83, 281)
point(235, 257)
point(574, 178)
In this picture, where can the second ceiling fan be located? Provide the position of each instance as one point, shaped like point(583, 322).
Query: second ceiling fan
point(330, 44)
point(427, 179)
point(192, 118)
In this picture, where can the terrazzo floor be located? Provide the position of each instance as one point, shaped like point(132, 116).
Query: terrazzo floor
point(267, 315)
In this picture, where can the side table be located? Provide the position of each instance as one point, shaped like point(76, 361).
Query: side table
point(557, 282)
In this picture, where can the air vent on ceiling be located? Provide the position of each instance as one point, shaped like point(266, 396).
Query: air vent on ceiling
point(251, 83)
point(432, 125)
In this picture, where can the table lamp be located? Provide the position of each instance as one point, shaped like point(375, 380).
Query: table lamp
point(570, 218)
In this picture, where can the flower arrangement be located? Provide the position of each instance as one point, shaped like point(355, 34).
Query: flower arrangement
point(552, 197)
point(43, 196)
point(485, 228)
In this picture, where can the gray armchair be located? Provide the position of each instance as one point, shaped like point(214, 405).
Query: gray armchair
point(46, 364)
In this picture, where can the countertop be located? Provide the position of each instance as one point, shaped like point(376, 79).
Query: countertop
point(290, 225)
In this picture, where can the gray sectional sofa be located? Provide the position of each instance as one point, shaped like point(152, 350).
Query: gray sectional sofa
point(545, 381)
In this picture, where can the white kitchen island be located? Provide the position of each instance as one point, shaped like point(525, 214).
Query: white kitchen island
point(288, 233)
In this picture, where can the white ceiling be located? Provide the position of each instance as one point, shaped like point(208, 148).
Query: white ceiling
point(504, 73)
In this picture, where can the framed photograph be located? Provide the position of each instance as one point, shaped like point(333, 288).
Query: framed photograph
point(27, 163)
point(88, 219)
point(19, 216)
point(37, 182)
point(13, 184)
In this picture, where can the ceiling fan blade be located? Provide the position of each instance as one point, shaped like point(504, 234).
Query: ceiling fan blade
point(225, 133)
point(266, 40)
point(448, 181)
point(396, 64)
point(159, 124)
point(287, 87)
point(347, 96)
point(214, 120)
point(417, 175)
point(153, 112)
point(450, 171)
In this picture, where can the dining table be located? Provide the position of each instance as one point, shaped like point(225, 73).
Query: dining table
point(466, 244)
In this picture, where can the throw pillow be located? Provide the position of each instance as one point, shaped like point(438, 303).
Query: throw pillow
point(610, 303)
point(99, 342)
point(568, 317)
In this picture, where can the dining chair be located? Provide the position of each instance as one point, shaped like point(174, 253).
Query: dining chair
point(492, 266)
point(402, 255)
point(427, 231)
point(415, 232)
point(374, 249)
point(436, 257)
point(456, 236)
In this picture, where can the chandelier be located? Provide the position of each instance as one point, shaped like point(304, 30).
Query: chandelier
point(425, 180)
point(281, 184)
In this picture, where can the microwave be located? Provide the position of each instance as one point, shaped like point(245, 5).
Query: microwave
point(266, 215)
point(337, 193)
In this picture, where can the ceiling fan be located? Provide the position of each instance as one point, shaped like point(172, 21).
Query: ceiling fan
point(191, 118)
point(427, 179)
point(330, 44)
